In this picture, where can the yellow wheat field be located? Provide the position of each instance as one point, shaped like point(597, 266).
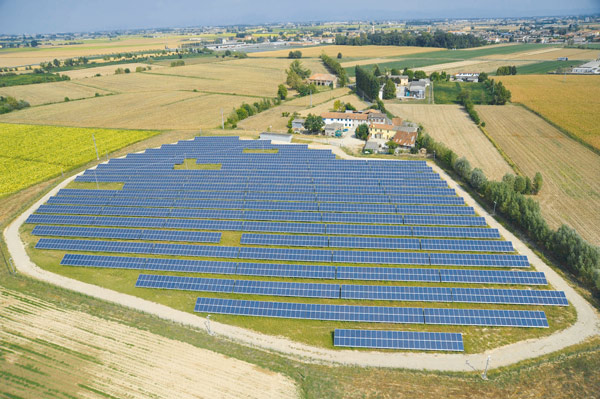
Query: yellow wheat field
point(30, 154)
point(571, 172)
point(572, 102)
point(451, 125)
point(350, 51)
point(45, 93)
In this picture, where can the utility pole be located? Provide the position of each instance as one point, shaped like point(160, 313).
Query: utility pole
point(96, 148)
point(494, 208)
point(310, 91)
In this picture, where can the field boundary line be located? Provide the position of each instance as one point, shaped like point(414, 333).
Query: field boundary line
point(561, 129)
point(503, 154)
point(587, 324)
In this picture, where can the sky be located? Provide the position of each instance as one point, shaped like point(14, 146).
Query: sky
point(52, 16)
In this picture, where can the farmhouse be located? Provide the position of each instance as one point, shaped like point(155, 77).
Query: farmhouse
point(592, 67)
point(350, 120)
point(405, 140)
point(334, 130)
point(323, 79)
point(298, 125)
point(416, 90)
point(466, 77)
point(383, 131)
point(401, 80)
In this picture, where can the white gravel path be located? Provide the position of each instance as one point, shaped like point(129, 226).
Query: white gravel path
point(587, 324)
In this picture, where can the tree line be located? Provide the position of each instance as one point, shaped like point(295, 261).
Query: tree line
point(421, 39)
point(247, 110)
point(8, 104)
point(508, 198)
point(335, 67)
point(296, 75)
point(506, 70)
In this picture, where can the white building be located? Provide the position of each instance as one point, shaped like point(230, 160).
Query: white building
point(589, 68)
point(350, 120)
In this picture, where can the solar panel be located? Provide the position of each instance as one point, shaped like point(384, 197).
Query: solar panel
point(387, 274)
point(492, 277)
point(396, 293)
point(184, 283)
point(372, 314)
point(510, 296)
point(399, 258)
point(486, 317)
point(286, 270)
point(497, 260)
point(467, 245)
point(413, 340)
point(374, 242)
point(280, 288)
point(285, 240)
point(455, 232)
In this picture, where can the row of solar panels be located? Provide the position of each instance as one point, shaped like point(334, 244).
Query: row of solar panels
point(272, 227)
point(373, 314)
point(159, 192)
point(278, 239)
point(376, 243)
point(286, 270)
point(355, 291)
point(285, 254)
point(411, 340)
point(260, 205)
point(290, 216)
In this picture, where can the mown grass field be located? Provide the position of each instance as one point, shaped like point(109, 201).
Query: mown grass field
point(447, 92)
point(451, 125)
point(571, 102)
point(571, 172)
point(30, 154)
point(48, 93)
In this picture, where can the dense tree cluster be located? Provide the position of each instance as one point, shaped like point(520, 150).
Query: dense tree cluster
point(314, 123)
point(509, 197)
point(366, 83)
point(8, 104)
point(335, 68)
point(362, 131)
point(506, 70)
point(295, 54)
point(420, 39)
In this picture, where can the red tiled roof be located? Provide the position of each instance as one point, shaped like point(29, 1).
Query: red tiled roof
point(323, 76)
point(344, 115)
point(405, 139)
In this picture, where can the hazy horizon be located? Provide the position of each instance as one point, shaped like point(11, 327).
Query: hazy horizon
point(37, 16)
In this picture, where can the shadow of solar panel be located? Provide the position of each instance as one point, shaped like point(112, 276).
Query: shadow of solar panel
point(455, 232)
point(445, 220)
point(369, 314)
point(387, 274)
point(279, 227)
point(510, 296)
point(467, 245)
point(399, 258)
point(492, 277)
point(374, 242)
point(286, 270)
point(413, 340)
point(486, 317)
point(285, 240)
point(94, 245)
point(368, 230)
point(69, 210)
point(184, 283)
point(396, 293)
point(281, 288)
point(497, 260)
point(304, 255)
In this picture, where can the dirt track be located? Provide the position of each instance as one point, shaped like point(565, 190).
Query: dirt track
point(587, 324)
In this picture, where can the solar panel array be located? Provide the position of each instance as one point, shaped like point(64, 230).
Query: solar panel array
point(365, 292)
point(381, 339)
point(303, 214)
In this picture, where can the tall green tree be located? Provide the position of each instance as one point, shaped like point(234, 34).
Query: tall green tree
point(389, 90)
point(314, 123)
point(282, 92)
point(362, 132)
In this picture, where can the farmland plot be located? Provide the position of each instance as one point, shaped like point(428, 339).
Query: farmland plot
point(45, 93)
point(105, 70)
point(350, 51)
point(452, 126)
point(49, 351)
point(571, 172)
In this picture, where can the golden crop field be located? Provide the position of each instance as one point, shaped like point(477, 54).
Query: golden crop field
point(571, 172)
point(452, 126)
point(549, 54)
point(350, 51)
point(106, 70)
point(30, 154)
point(46, 93)
point(149, 110)
point(571, 102)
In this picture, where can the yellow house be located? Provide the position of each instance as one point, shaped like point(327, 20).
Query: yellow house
point(381, 131)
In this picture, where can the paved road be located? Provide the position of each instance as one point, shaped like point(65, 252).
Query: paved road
point(587, 324)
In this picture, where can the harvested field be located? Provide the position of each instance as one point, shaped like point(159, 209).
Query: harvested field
point(452, 126)
point(58, 352)
point(475, 66)
point(549, 54)
point(350, 51)
point(571, 102)
point(152, 110)
point(571, 172)
point(270, 118)
point(46, 93)
point(105, 70)
point(141, 82)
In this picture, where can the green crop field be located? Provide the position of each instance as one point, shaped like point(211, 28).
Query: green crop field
point(447, 92)
point(30, 154)
point(546, 66)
